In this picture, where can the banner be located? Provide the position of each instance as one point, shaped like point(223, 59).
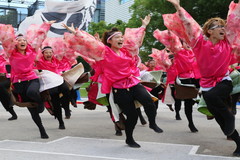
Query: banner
point(79, 13)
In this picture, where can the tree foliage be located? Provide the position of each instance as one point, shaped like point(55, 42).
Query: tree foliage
point(201, 10)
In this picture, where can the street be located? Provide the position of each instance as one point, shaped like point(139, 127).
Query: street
point(90, 135)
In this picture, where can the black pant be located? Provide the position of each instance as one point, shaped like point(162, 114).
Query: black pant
point(56, 101)
point(4, 94)
point(65, 99)
point(29, 92)
point(218, 102)
point(188, 106)
point(125, 99)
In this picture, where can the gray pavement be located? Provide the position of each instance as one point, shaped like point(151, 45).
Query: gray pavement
point(89, 135)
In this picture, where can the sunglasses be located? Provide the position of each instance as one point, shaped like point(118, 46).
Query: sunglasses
point(216, 26)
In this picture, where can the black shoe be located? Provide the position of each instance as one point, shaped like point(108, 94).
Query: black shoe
point(156, 128)
point(133, 144)
point(61, 126)
point(12, 118)
point(236, 154)
point(143, 122)
point(118, 133)
point(44, 135)
point(68, 115)
point(193, 128)
point(178, 117)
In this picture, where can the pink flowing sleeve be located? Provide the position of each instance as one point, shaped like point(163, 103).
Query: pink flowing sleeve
point(168, 39)
point(232, 28)
point(86, 44)
point(161, 58)
point(36, 34)
point(184, 26)
point(7, 38)
point(133, 38)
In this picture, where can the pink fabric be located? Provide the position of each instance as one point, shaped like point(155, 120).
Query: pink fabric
point(183, 25)
point(7, 38)
point(86, 45)
point(142, 67)
point(118, 71)
point(3, 62)
point(52, 65)
point(184, 60)
point(36, 37)
point(232, 28)
point(169, 39)
point(133, 38)
point(22, 65)
point(213, 60)
point(111, 69)
point(161, 58)
point(171, 74)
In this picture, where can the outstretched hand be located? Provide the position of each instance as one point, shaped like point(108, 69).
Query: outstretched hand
point(146, 20)
point(96, 35)
point(51, 22)
point(71, 29)
point(176, 3)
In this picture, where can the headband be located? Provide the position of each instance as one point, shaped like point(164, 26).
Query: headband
point(113, 35)
point(45, 48)
point(19, 37)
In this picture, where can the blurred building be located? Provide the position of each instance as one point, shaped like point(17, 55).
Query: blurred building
point(117, 10)
point(14, 11)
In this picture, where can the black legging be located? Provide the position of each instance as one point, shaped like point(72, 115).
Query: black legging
point(29, 92)
point(56, 101)
point(218, 103)
point(65, 99)
point(188, 107)
point(4, 94)
point(125, 100)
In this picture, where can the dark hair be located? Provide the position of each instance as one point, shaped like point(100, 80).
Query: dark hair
point(107, 34)
point(19, 35)
point(46, 47)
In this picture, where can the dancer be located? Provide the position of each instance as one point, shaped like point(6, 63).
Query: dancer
point(5, 86)
point(212, 47)
point(183, 60)
point(21, 57)
point(117, 62)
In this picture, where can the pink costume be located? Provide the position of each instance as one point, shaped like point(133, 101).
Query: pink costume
point(115, 71)
point(3, 62)
point(185, 62)
point(213, 60)
point(52, 65)
point(63, 57)
point(22, 65)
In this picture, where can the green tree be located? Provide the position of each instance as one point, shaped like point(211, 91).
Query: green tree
point(201, 10)
point(102, 27)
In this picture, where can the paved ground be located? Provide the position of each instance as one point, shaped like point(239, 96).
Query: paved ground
point(89, 135)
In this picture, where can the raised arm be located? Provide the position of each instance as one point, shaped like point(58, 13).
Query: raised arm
point(182, 24)
point(36, 36)
point(233, 25)
point(84, 43)
point(168, 39)
point(232, 28)
point(133, 37)
point(7, 38)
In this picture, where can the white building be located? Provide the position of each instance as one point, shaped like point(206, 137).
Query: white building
point(117, 10)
